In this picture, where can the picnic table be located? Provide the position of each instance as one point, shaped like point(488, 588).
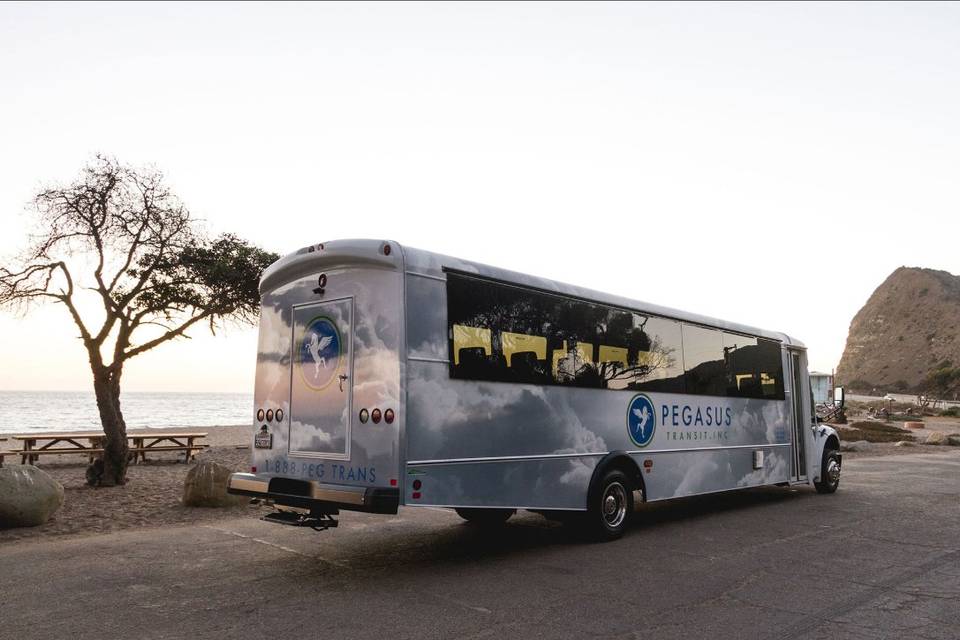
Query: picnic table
point(91, 444)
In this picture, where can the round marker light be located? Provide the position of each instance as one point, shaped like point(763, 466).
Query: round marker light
point(364, 416)
point(279, 415)
point(260, 415)
point(388, 416)
point(269, 415)
point(416, 485)
point(386, 249)
point(375, 415)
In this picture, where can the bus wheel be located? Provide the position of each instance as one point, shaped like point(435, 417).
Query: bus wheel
point(829, 472)
point(485, 517)
point(610, 506)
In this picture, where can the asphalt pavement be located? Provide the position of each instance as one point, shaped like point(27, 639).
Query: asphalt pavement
point(878, 559)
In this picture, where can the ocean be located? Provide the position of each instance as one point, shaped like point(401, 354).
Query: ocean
point(38, 411)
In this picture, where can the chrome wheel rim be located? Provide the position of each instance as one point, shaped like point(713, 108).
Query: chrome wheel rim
point(614, 505)
point(833, 472)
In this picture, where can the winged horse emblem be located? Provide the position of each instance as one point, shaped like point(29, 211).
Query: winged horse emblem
point(644, 415)
point(316, 347)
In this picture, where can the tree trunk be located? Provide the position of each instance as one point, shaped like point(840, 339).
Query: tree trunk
point(112, 469)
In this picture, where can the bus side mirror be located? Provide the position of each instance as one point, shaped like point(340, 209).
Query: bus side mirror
point(838, 396)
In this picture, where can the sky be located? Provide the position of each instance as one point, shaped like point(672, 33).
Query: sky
point(769, 164)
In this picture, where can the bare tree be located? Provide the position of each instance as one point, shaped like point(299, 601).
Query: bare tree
point(121, 234)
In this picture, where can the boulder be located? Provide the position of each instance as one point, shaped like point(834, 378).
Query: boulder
point(206, 486)
point(28, 496)
point(936, 437)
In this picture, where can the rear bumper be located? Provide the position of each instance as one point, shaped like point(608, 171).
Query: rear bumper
point(309, 494)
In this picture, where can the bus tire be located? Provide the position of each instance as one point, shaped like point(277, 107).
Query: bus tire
point(829, 472)
point(485, 517)
point(609, 506)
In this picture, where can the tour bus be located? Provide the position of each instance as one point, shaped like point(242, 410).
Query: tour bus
point(389, 376)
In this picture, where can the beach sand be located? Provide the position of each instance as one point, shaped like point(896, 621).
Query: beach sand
point(152, 496)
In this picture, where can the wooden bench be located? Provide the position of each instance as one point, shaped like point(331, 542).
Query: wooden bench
point(139, 444)
point(132, 452)
point(191, 451)
point(6, 453)
point(142, 443)
point(59, 451)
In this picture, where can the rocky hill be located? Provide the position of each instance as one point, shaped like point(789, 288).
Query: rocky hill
point(909, 325)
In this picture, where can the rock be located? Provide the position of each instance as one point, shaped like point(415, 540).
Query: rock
point(859, 445)
point(206, 486)
point(953, 441)
point(28, 496)
point(936, 437)
point(904, 443)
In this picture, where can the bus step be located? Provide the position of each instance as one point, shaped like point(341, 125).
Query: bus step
point(320, 522)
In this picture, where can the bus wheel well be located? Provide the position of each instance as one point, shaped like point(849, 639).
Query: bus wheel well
point(623, 462)
point(832, 443)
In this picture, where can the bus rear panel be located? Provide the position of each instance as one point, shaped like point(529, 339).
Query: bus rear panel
point(328, 407)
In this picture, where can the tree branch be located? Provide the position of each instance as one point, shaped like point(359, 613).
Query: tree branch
point(170, 335)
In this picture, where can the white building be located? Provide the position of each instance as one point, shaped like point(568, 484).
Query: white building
point(821, 386)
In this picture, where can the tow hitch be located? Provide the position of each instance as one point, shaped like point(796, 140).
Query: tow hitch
point(317, 522)
point(298, 517)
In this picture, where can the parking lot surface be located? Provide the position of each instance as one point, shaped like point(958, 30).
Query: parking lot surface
point(878, 559)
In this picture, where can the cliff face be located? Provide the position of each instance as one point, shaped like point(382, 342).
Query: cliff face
point(909, 325)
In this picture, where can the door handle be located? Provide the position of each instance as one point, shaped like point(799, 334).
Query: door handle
point(343, 377)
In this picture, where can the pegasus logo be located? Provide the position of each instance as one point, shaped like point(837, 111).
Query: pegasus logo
point(644, 416)
point(641, 420)
point(316, 347)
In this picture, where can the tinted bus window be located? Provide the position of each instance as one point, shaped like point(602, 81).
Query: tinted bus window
point(770, 358)
point(754, 367)
point(703, 361)
point(652, 353)
point(511, 334)
point(508, 333)
point(498, 332)
point(742, 368)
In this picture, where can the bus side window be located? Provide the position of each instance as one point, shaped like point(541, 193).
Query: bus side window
point(741, 359)
point(703, 361)
point(771, 369)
